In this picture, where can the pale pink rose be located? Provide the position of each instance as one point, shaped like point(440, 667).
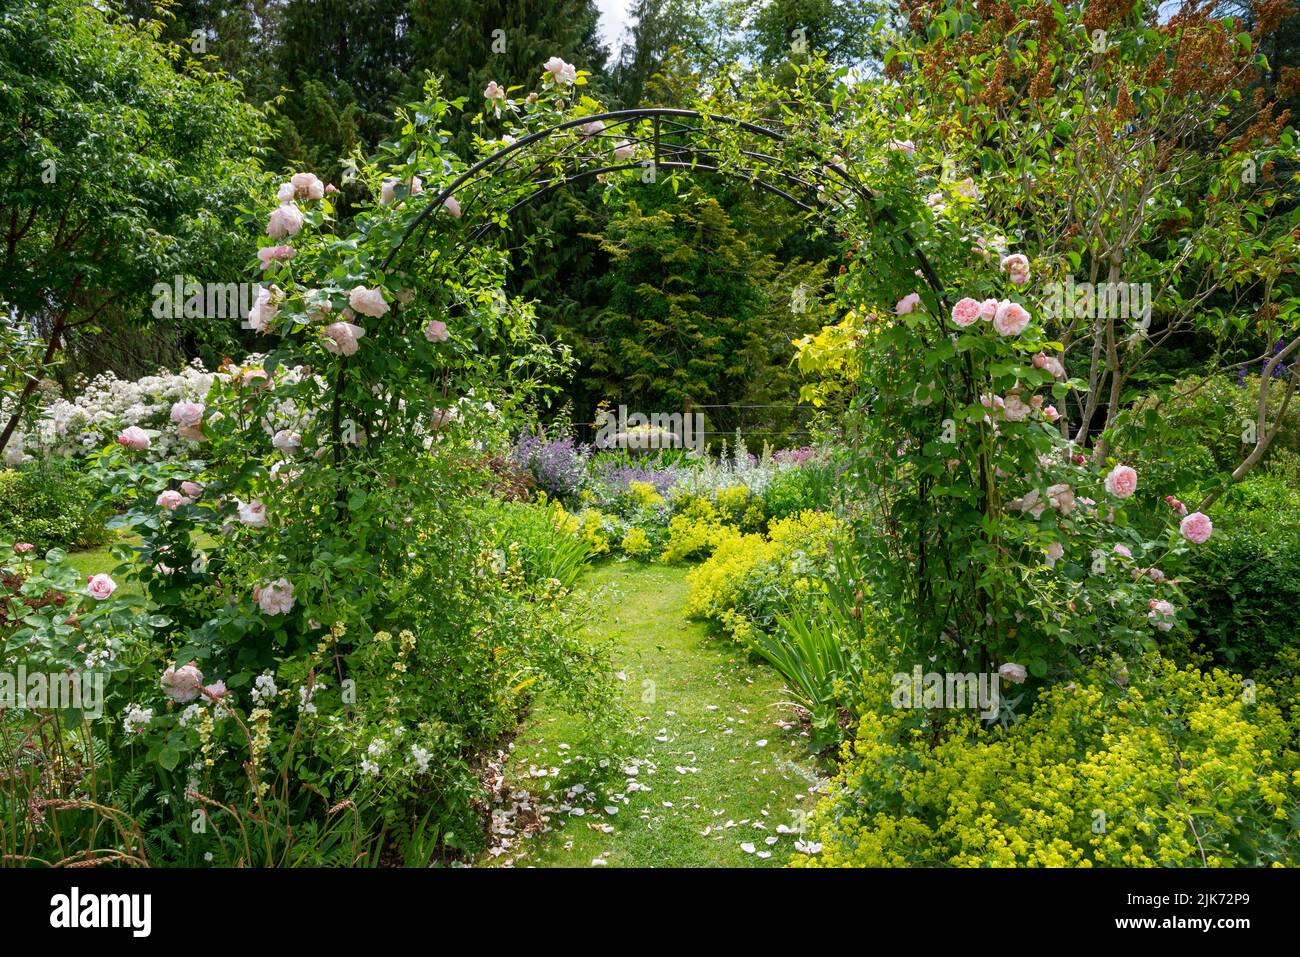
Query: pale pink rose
point(1031, 502)
point(1017, 267)
point(968, 189)
point(341, 338)
point(452, 205)
point(966, 312)
point(275, 598)
point(22, 548)
point(494, 91)
point(192, 489)
point(215, 691)
point(186, 413)
point(388, 188)
point(1123, 551)
point(252, 514)
point(270, 255)
point(331, 188)
point(1043, 361)
point(183, 684)
point(100, 586)
point(907, 304)
point(285, 193)
point(285, 220)
point(623, 151)
point(1055, 552)
point(1050, 413)
point(307, 186)
point(368, 302)
point(134, 437)
point(903, 146)
point(286, 440)
point(1196, 528)
point(1011, 318)
point(988, 309)
point(1014, 409)
point(1121, 481)
point(192, 433)
point(1062, 498)
point(436, 331)
point(264, 310)
point(172, 499)
point(1161, 614)
point(561, 72)
point(592, 128)
point(1013, 672)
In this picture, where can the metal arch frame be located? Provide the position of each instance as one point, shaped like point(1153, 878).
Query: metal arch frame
point(671, 160)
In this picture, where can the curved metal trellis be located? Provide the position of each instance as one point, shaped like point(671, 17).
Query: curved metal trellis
point(660, 138)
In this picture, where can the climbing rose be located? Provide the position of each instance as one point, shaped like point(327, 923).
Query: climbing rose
point(966, 312)
point(252, 514)
point(1010, 319)
point(988, 309)
point(1052, 365)
point(1017, 267)
point(560, 71)
point(285, 193)
point(100, 586)
point(387, 188)
point(341, 338)
point(307, 186)
point(270, 255)
point(494, 91)
point(592, 128)
point(286, 440)
point(907, 303)
point(134, 437)
point(436, 331)
point(368, 302)
point(187, 413)
point(275, 598)
point(1014, 409)
point(452, 205)
point(172, 499)
point(623, 150)
point(216, 691)
point(1161, 614)
point(1050, 413)
point(1013, 672)
point(1123, 550)
point(192, 489)
point(183, 684)
point(1062, 498)
point(263, 311)
point(1055, 552)
point(1122, 481)
point(1196, 528)
point(285, 221)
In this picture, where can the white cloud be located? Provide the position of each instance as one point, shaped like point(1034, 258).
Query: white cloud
point(614, 17)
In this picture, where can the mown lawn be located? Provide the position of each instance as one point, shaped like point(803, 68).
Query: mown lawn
point(710, 776)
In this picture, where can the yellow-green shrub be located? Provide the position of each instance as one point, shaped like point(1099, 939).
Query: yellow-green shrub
point(1175, 769)
point(690, 537)
point(714, 584)
point(636, 543)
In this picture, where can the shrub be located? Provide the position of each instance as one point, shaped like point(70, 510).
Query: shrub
point(545, 540)
point(1175, 769)
point(49, 504)
point(691, 537)
point(636, 543)
point(807, 484)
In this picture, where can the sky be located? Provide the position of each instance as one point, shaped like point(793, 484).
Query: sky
point(613, 21)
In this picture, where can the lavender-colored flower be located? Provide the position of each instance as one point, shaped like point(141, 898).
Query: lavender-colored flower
point(559, 465)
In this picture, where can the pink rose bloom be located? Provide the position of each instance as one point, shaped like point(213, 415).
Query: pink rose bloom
point(988, 309)
point(436, 331)
point(22, 548)
point(968, 189)
point(252, 514)
point(1016, 266)
point(183, 684)
point(285, 220)
point(172, 499)
point(368, 302)
point(452, 205)
point(623, 151)
point(1196, 528)
point(1055, 552)
point(134, 437)
point(1010, 319)
point(1161, 614)
point(1050, 413)
point(907, 304)
point(192, 489)
point(561, 72)
point(1062, 498)
point(263, 311)
point(494, 91)
point(215, 691)
point(1013, 672)
point(592, 128)
point(187, 413)
point(1014, 409)
point(193, 433)
point(388, 188)
point(1123, 551)
point(307, 186)
point(1122, 481)
point(903, 146)
point(100, 586)
point(341, 338)
point(331, 188)
point(966, 312)
point(285, 193)
point(1050, 364)
point(275, 598)
point(1031, 502)
point(287, 440)
point(270, 255)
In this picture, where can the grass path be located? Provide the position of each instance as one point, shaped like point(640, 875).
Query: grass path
point(714, 771)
